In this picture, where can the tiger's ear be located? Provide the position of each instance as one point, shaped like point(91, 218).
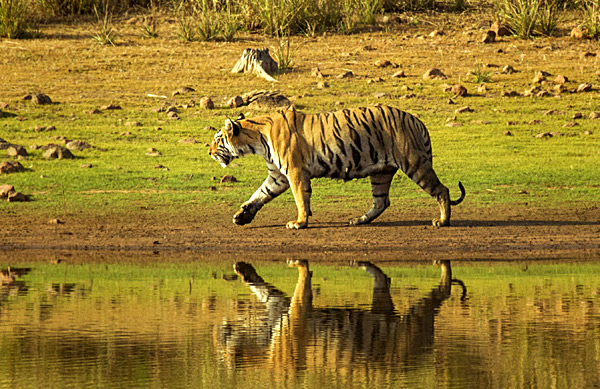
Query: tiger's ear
point(231, 128)
point(241, 117)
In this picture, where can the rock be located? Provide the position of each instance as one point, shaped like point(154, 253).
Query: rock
point(159, 166)
point(570, 124)
point(508, 69)
point(235, 102)
point(511, 123)
point(183, 90)
point(544, 135)
point(58, 152)
point(577, 115)
point(577, 33)
point(532, 91)
point(585, 87)
point(133, 123)
point(110, 107)
point(587, 132)
point(152, 152)
point(267, 102)
point(560, 79)
point(434, 74)
point(588, 54)
point(94, 111)
point(489, 37)
point(560, 88)
point(500, 29)
point(16, 150)
point(508, 133)
point(257, 61)
point(399, 74)
point(228, 178)
point(535, 122)
point(463, 110)
point(77, 145)
point(5, 189)
point(55, 221)
point(16, 197)
point(346, 74)
point(172, 115)
point(509, 93)
point(86, 166)
point(453, 124)
point(207, 103)
point(172, 109)
point(322, 85)
point(373, 80)
point(459, 91)
point(538, 78)
point(11, 167)
point(41, 99)
point(316, 72)
point(542, 93)
point(382, 63)
point(594, 115)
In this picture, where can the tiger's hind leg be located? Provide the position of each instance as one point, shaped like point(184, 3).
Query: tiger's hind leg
point(380, 185)
point(426, 178)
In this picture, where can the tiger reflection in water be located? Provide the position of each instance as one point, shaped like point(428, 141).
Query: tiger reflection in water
point(293, 335)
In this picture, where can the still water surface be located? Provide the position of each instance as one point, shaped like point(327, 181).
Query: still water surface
point(501, 326)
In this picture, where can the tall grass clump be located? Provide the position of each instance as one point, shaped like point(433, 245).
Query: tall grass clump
point(15, 17)
point(591, 18)
point(208, 20)
point(526, 18)
point(104, 34)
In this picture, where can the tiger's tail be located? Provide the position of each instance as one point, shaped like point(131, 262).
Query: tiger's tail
point(462, 195)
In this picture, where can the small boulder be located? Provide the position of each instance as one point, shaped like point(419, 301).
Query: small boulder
point(41, 99)
point(183, 90)
point(489, 37)
point(5, 189)
point(434, 74)
point(560, 79)
point(235, 102)
point(11, 167)
point(206, 102)
point(508, 69)
point(585, 87)
point(382, 63)
point(346, 74)
point(594, 115)
point(459, 90)
point(228, 178)
point(17, 197)
point(500, 29)
point(399, 74)
point(77, 145)
point(110, 107)
point(316, 72)
point(58, 152)
point(16, 150)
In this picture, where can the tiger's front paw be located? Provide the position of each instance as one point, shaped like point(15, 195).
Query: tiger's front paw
point(244, 215)
point(295, 225)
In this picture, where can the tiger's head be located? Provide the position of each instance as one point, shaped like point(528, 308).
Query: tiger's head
point(225, 146)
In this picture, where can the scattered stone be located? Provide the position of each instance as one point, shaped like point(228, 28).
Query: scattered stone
point(41, 99)
point(585, 87)
point(489, 37)
point(577, 115)
point(374, 80)
point(235, 102)
point(380, 95)
point(94, 111)
point(77, 145)
point(207, 103)
point(317, 73)
point(560, 88)
point(535, 122)
point(172, 109)
point(570, 124)
point(86, 166)
point(133, 123)
point(560, 79)
point(542, 93)
point(58, 152)
point(587, 132)
point(183, 90)
point(500, 29)
point(434, 74)
point(110, 107)
point(508, 133)
point(459, 91)
point(16, 150)
point(188, 141)
point(594, 115)
point(511, 123)
point(508, 69)
point(228, 178)
point(55, 221)
point(159, 166)
point(172, 115)
point(322, 85)
point(5, 189)
point(125, 133)
point(510, 93)
point(453, 124)
point(588, 54)
point(552, 112)
point(383, 63)
point(577, 33)
point(532, 91)
point(463, 110)
point(399, 74)
point(538, 78)
point(17, 197)
point(346, 74)
point(409, 96)
point(266, 100)
point(190, 104)
point(152, 152)
point(544, 135)
point(7, 167)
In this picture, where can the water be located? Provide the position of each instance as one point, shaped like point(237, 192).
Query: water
point(185, 326)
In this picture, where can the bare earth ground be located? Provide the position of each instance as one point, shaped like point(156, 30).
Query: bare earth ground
point(490, 234)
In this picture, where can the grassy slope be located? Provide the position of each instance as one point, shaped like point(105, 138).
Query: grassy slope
point(79, 75)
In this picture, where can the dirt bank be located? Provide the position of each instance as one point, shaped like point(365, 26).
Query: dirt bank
point(515, 233)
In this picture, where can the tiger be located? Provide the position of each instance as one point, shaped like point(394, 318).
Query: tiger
point(348, 144)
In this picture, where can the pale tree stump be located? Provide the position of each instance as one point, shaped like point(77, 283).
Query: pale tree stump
point(257, 61)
